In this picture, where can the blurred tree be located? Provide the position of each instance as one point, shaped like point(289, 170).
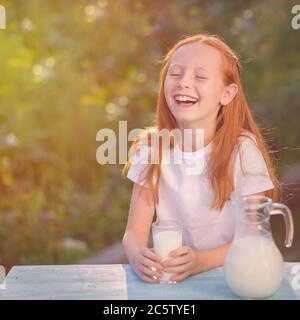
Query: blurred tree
point(69, 69)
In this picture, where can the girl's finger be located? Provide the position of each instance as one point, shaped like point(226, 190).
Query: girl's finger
point(181, 251)
point(152, 271)
point(151, 255)
point(180, 276)
point(176, 261)
point(178, 269)
point(148, 278)
point(149, 272)
point(144, 276)
point(152, 264)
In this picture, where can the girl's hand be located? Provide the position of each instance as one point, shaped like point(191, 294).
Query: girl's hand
point(147, 264)
point(183, 263)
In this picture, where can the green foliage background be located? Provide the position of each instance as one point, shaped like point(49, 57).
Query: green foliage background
point(70, 68)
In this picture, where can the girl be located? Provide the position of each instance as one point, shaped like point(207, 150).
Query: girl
point(205, 70)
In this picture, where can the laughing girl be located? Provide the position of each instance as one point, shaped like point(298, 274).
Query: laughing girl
point(200, 88)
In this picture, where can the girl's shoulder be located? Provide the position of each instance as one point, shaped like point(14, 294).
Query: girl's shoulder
point(248, 151)
point(247, 141)
point(143, 148)
point(247, 148)
point(246, 136)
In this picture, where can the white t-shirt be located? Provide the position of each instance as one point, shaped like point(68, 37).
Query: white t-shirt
point(185, 193)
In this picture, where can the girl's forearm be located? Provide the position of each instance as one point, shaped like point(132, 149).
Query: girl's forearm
point(211, 258)
point(133, 242)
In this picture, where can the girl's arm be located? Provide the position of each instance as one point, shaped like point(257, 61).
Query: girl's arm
point(185, 261)
point(141, 212)
point(136, 236)
point(211, 258)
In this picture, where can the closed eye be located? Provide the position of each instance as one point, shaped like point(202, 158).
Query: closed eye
point(177, 74)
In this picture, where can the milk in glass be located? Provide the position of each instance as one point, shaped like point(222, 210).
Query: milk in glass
point(167, 236)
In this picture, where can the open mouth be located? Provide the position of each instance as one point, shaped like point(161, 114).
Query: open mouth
point(185, 102)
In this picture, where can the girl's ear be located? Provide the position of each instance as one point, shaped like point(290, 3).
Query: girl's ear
point(228, 94)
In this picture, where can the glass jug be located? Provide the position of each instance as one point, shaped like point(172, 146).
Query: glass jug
point(253, 265)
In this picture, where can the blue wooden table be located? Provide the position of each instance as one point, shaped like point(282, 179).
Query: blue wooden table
point(119, 281)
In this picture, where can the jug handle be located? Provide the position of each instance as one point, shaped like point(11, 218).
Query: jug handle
point(279, 208)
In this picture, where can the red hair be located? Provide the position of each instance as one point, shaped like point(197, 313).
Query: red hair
point(231, 120)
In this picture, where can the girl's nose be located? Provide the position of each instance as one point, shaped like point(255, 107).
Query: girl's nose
point(184, 82)
point(184, 85)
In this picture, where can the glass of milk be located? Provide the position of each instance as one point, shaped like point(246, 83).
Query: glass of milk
point(167, 236)
point(253, 265)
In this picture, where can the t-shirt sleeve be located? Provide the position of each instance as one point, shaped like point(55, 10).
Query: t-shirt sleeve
point(250, 170)
point(139, 166)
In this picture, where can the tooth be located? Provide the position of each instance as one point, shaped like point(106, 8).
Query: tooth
point(184, 98)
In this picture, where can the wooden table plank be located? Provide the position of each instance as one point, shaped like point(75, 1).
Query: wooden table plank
point(116, 281)
point(66, 282)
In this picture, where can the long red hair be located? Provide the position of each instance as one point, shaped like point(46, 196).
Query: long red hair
point(231, 120)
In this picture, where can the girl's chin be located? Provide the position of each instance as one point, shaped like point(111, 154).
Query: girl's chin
point(184, 118)
point(180, 108)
